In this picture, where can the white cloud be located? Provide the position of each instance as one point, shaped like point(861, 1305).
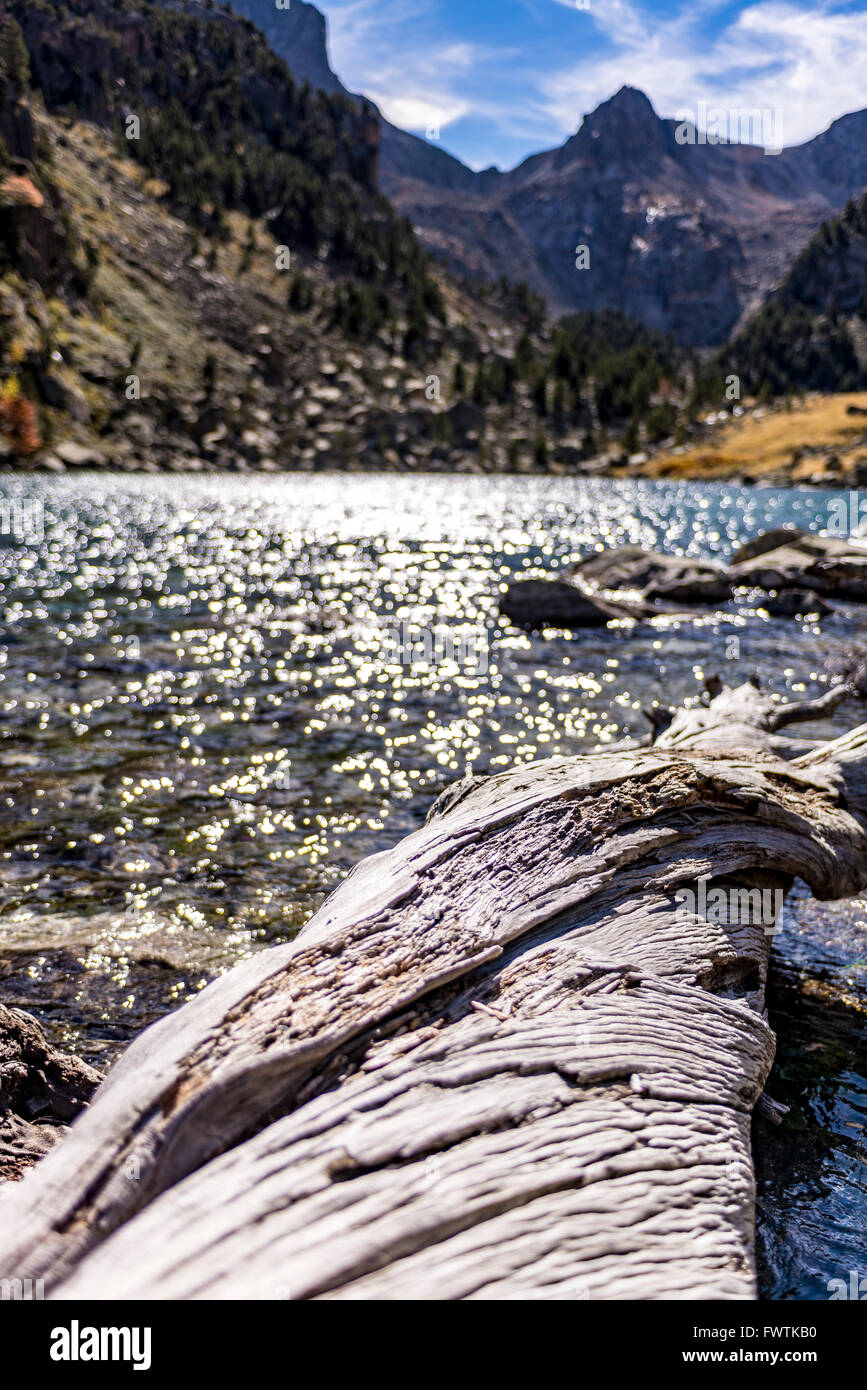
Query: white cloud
point(778, 55)
point(398, 53)
point(414, 112)
point(806, 63)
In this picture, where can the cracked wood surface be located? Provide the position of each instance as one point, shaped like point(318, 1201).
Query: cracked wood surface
point(502, 1061)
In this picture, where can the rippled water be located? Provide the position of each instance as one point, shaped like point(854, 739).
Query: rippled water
point(812, 1170)
point(207, 721)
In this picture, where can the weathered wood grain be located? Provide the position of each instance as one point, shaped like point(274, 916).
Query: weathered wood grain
point(502, 1061)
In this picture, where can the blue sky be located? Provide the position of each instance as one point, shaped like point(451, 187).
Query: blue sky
point(504, 78)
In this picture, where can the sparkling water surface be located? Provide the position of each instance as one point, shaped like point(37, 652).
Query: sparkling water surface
point(207, 720)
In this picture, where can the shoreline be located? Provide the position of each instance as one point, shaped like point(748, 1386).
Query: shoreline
point(769, 482)
point(814, 442)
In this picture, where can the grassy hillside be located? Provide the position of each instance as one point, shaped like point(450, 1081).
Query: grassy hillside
point(816, 439)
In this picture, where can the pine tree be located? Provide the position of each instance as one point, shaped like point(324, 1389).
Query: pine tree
point(209, 374)
point(525, 356)
point(300, 293)
point(14, 59)
point(540, 451)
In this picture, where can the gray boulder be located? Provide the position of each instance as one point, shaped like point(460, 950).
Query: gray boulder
point(667, 577)
point(536, 603)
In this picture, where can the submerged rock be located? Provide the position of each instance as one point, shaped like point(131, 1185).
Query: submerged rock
point(793, 602)
point(784, 559)
point(658, 576)
point(538, 603)
point(692, 587)
point(632, 567)
point(564, 603)
point(41, 1090)
point(767, 540)
point(795, 568)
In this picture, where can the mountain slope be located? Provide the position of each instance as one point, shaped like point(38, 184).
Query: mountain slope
point(146, 345)
point(207, 200)
point(205, 105)
point(146, 312)
point(202, 174)
point(300, 36)
point(191, 354)
point(811, 335)
point(689, 238)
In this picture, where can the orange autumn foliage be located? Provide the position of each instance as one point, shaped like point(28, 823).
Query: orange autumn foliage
point(23, 191)
point(19, 423)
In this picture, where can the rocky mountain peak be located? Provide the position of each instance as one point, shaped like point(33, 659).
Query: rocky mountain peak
point(686, 238)
point(625, 125)
point(629, 105)
point(298, 34)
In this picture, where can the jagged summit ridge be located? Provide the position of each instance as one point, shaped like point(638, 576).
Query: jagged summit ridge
point(688, 237)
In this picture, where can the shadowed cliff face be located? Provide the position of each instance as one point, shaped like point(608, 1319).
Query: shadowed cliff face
point(688, 237)
point(298, 30)
point(299, 36)
point(37, 239)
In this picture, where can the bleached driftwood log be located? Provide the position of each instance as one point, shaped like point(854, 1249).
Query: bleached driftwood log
point(502, 1061)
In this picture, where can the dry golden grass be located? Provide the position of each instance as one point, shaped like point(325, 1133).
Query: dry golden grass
point(759, 446)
